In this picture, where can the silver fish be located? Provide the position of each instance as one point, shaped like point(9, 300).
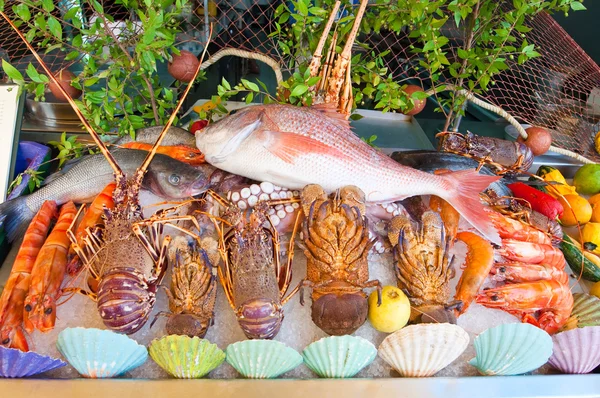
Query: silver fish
point(83, 180)
point(149, 135)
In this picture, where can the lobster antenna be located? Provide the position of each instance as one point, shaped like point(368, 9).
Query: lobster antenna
point(111, 160)
point(142, 169)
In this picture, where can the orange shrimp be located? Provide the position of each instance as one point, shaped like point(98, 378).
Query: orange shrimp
point(479, 261)
point(183, 153)
point(551, 298)
point(521, 272)
point(509, 228)
point(532, 253)
point(449, 215)
point(47, 275)
point(17, 285)
point(92, 217)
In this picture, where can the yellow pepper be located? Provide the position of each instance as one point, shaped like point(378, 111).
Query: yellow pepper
point(561, 187)
point(591, 233)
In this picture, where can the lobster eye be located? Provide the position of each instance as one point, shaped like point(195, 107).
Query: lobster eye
point(5, 341)
point(28, 307)
point(48, 311)
point(502, 269)
point(174, 179)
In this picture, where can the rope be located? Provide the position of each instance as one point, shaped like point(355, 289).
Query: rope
point(248, 55)
point(501, 112)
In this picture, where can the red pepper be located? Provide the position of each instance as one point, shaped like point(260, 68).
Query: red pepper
point(198, 125)
point(540, 201)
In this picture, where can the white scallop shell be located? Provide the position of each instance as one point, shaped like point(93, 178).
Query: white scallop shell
point(425, 349)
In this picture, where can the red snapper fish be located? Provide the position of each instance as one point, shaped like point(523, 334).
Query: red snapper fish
point(295, 146)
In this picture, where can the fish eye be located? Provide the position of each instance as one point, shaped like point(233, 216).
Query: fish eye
point(48, 311)
point(5, 341)
point(174, 179)
point(28, 307)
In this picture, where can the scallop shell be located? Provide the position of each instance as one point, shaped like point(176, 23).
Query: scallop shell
point(511, 349)
point(577, 350)
point(186, 357)
point(586, 312)
point(15, 363)
point(262, 359)
point(423, 350)
point(339, 356)
point(96, 353)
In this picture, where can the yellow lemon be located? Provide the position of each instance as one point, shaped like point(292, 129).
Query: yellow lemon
point(394, 311)
point(595, 290)
point(576, 209)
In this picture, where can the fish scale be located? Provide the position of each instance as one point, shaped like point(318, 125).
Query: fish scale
point(296, 146)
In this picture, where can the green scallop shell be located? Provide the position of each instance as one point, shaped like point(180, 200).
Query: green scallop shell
point(586, 312)
point(262, 359)
point(186, 357)
point(339, 356)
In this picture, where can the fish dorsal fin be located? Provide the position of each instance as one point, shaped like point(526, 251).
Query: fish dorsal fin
point(330, 110)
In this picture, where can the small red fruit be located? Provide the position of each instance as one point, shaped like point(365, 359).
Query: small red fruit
point(419, 104)
point(538, 140)
point(64, 77)
point(198, 125)
point(183, 66)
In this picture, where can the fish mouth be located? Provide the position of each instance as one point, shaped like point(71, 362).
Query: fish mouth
point(201, 185)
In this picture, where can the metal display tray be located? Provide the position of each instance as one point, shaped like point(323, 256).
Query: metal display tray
point(447, 387)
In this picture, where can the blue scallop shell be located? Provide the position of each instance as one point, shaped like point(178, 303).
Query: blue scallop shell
point(339, 356)
point(16, 363)
point(511, 349)
point(96, 353)
point(262, 359)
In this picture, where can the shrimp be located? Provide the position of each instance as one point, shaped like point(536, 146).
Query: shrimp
point(479, 261)
point(551, 298)
point(92, 217)
point(532, 253)
point(47, 275)
point(183, 153)
point(509, 228)
point(17, 285)
point(521, 272)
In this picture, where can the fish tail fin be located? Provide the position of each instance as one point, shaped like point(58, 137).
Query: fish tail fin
point(463, 195)
point(16, 216)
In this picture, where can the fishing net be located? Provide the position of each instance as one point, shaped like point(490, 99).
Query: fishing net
point(559, 90)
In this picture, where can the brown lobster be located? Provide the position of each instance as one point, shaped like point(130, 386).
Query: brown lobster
point(127, 260)
point(336, 236)
point(423, 267)
point(254, 278)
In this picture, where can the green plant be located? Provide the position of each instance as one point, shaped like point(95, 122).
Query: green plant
point(70, 148)
point(35, 180)
point(119, 79)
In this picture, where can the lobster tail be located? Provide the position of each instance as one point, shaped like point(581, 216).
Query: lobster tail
point(125, 300)
point(260, 319)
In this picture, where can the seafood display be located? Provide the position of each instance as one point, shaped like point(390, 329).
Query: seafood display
point(459, 264)
point(335, 234)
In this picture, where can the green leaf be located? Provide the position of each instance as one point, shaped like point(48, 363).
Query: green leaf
point(226, 84)
point(249, 98)
point(302, 8)
point(299, 90)
point(12, 72)
point(48, 5)
point(55, 28)
point(22, 11)
point(577, 6)
point(72, 55)
point(463, 54)
point(72, 13)
point(419, 95)
point(250, 86)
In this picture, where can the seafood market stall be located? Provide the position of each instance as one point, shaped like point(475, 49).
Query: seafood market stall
point(295, 231)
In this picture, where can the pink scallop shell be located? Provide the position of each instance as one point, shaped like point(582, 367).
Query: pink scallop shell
point(576, 351)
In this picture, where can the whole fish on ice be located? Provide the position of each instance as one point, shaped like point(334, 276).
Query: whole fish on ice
point(295, 146)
